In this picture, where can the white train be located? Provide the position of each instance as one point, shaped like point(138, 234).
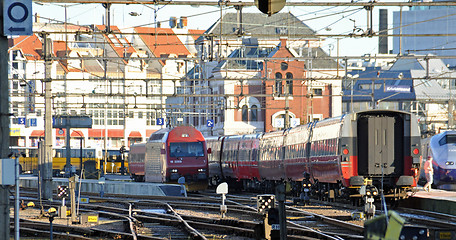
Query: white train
point(442, 148)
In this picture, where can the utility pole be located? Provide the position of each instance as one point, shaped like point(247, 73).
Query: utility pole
point(4, 131)
point(287, 104)
point(46, 162)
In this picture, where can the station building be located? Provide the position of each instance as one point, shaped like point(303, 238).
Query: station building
point(301, 83)
point(88, 65)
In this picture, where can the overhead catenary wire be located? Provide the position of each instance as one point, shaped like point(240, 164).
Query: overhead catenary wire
point(227, 59)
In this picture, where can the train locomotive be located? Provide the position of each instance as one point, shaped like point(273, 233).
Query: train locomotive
point(378, 148)
point(170, 154)
point(442, 149)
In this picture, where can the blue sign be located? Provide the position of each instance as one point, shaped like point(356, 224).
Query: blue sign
point(33, 122)
point(17, 17)
point(21, 121)
point(160, 121)
point(210, 123)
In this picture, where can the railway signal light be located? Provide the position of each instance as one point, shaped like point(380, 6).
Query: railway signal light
point(270, 7)
point(62, 191)
point(265, 202)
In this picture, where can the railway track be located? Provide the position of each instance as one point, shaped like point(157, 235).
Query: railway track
point(198, 217)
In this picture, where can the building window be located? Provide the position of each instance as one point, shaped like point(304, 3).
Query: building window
point(254, 113)
point(290, 83)
point(284, 66)
point(278, 83)
point(245, 113)
point(318, 92)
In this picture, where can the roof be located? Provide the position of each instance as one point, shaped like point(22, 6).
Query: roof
point(162, 41)
point(59, 27)
point(400, 85)
point(319, 60)
point(395, 88)
point(249, 49)
point(196, 33)
point(119, 44)
point(31, 46)
point(268, 27)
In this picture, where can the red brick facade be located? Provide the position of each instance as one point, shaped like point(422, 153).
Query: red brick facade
point(282, 73)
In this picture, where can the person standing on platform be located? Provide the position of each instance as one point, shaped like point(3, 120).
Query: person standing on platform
point(429, 172)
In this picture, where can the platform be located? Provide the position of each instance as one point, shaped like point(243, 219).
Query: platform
point(112, 185)
point(436, 200)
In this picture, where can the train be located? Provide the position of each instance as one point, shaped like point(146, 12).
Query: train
point(442, 149)
point(168, 155)
point(337, 155)
point(92, 160)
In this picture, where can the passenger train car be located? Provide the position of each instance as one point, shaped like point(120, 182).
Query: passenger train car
point(442, 149)
point(91, 158)
point(170, 154)
point(341, 154)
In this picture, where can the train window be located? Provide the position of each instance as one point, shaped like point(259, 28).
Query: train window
point(447, 139)
point(186, 149)
point(451, 138)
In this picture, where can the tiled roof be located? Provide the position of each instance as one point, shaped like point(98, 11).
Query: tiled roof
point(165, 42)
point(119, 44)
point(195, 33)
point(31, 46)
point(42, 26)
point(285, 24)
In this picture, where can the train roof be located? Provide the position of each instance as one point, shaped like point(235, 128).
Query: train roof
point(185, 134)
point(158, 135)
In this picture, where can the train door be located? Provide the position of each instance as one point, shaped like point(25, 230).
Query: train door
point(380, 148)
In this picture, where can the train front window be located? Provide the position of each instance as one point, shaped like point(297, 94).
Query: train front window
point(447, 139)
point(186, 149)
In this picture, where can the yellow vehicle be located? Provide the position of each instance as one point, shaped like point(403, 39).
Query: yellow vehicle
point(92, 160)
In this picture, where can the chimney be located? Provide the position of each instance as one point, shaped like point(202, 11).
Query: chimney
point(283, 42)
point(183, 22)
point(383, 30)
point(172, 22)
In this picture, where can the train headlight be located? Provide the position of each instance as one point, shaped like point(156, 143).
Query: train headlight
point(345, 151)
point(173, 170)
point(201, 170)
point(375, 193)
point(416, 151)
point(368, 193)
point(449, 163)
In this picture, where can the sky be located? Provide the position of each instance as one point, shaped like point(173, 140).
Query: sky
point(324, 20)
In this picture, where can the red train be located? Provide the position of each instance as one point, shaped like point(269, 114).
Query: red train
point(341, 154)
point(170, 154)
